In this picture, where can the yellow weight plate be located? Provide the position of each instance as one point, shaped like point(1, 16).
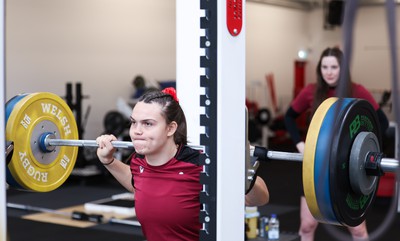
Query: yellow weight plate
point(32, 116)
point(309, 156)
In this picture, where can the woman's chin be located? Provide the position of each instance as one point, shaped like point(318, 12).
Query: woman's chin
point(140, 151)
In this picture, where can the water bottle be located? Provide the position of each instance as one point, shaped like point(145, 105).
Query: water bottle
point(273, 228)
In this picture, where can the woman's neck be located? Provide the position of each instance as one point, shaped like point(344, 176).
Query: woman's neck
point(163, 155)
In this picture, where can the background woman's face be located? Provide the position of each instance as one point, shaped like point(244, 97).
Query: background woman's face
point(330, 70)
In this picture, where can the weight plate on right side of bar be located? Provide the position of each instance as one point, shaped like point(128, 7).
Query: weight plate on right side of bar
point(309, 158)
point(350, 207)
point(322, 167)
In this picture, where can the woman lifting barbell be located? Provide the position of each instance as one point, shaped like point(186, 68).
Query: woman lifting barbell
point(164, 172)
point(328, 77)
point(45, 160)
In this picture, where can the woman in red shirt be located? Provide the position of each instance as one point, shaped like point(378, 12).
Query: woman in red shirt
point(164, 172)
point(309, 98)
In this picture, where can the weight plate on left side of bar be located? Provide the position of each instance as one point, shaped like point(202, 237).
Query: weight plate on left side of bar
point(31, 116)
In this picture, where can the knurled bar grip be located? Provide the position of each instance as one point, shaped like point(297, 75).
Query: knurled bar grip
point(86, 143)
point(48, 140)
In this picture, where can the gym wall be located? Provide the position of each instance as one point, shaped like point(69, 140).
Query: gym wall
point(101, 43)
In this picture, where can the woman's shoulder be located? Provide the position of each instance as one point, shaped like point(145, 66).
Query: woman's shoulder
point(310, 86)
point(361, 92)
point(359, 89)
point(357, 85)
point(188, 154)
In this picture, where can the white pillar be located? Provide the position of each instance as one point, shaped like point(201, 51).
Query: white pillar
point(231, 129)
point(188, 69)
point(231, 123)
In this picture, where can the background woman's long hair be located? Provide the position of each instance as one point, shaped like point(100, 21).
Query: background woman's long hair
point(322, 88)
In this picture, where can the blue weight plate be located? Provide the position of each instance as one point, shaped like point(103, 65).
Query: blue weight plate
point(321, 171)
point(8, 109)
point(310, 156)
point(11, 103)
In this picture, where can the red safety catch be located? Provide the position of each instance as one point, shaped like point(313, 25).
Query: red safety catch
point(234, 16)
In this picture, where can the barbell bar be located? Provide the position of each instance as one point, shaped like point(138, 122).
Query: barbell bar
point(263, 154)
point(48, 143)
point(341, 164)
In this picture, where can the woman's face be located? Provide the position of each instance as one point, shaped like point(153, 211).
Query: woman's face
point(149, 130)
point(330, 70)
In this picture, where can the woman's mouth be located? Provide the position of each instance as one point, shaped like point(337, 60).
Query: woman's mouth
point(139, 144)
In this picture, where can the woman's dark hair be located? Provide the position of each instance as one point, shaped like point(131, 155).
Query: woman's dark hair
point(322, 88)
point(171, 110)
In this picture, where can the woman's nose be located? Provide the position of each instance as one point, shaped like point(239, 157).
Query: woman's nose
point(137, 129)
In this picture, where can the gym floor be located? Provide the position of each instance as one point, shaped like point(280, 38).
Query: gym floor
point(282, 177)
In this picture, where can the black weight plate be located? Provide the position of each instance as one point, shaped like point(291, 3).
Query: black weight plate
point(350, 208)
point(115, 123)
point(264, 116)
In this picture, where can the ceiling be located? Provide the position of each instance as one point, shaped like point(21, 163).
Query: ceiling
point(311, 4)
